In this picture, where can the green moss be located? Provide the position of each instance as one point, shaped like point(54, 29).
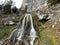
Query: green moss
point(43, 36)
point(5, 31)
point(53, 39)
point(44, 39)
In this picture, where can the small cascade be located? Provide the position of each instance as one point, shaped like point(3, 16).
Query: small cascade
point(33, 34)
point(19, 33)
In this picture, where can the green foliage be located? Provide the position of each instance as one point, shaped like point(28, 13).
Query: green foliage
point(53, 2)
point(0, 7)
point(44, 39)
point(5, 31)
point(15, 10)
point(7, 9)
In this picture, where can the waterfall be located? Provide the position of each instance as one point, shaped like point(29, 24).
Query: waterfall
point(21, 31)
point(33, 34)
point(18, 33)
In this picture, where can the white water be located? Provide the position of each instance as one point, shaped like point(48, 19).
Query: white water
point(21, 31)
point(32, 33)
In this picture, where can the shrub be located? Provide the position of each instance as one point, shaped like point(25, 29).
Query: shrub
point(0, 7)
point(15, 10)
point(53, 2)
point(7, 9)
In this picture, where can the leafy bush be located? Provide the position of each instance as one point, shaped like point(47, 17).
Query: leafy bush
point(15, 10)
point(53, 2)
point(7, 9)
point(0, 7)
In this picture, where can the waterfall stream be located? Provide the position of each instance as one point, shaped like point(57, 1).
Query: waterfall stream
point(18, 33)
point(32, 32)
point(21, 31)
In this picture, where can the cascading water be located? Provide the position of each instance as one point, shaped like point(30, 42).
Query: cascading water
point(21, 31)
point(33, 34)
point(18, 33)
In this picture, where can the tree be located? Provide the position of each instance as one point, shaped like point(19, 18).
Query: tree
point(7, 9)
point(15, 10)
point(0, 7)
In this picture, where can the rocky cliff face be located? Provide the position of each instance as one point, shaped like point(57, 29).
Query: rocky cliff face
point(32, 5)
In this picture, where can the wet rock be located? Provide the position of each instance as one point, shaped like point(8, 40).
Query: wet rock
point(36, 42)
point(13, 17)
point(17, 43)
point(45, 16)
point(42, 16)
point(9, 23)
point(50, 16)
point(1, 42)
point(26, 42)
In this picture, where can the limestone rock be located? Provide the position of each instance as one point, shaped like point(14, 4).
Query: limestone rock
point(32, 5)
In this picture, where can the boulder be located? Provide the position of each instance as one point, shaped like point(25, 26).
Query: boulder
point(9, 23)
